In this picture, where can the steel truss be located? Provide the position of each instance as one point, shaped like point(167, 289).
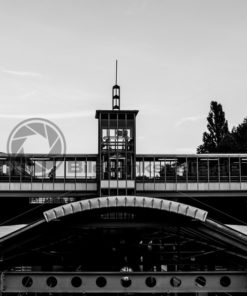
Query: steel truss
point(119, 282)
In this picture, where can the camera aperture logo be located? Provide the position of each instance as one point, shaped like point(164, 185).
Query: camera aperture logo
point(36, 135)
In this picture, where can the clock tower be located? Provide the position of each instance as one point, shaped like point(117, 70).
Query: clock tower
point(116, 148)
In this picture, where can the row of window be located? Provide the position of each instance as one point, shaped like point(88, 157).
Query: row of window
point(189, 169)
point(179, 169)
point(26, 169)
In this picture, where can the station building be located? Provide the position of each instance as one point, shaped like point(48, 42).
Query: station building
point(118, 222)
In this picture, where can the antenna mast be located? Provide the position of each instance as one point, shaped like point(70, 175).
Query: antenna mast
point(116, 72)
point(116, 94)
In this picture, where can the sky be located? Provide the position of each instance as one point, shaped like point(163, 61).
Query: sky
point(57, 62)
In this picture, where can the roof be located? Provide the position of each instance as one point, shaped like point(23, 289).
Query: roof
point(115, 112)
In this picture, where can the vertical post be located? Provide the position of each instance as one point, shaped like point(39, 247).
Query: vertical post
point(108, 152)
point(134, 152)
point(186, 172)
point(218, 173)
point(64, 172)
point(229, 168)
point(208, 171)
point(126, 154)
point(154, 171)
point(86, 174)
point(197, 172)
point(117, 152)
point(99, 165)
point(240, 172)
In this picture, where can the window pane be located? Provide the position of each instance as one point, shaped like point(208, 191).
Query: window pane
point(157, 170)
point(234, 169)
point(27, 170)
point(60, 169)
point(192, 169)
point(213, 170)
point(49, 170)
point(80, 167)
point(244, 169)
point(15, 169)
point(38, 170)
point(171, 166)
point(4, 170)
point(146, 169)
point(203, 170)
point(91, 169)
point(181, 169)
point(70, 169)
point(224, 170)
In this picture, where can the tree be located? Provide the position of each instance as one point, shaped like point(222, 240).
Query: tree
point(218, 133)
point(240, 135)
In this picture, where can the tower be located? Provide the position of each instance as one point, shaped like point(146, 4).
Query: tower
point(116, 147)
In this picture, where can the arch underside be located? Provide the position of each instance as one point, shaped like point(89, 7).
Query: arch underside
point(109, 236)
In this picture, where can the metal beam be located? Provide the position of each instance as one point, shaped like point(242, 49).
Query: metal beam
point(110, 282)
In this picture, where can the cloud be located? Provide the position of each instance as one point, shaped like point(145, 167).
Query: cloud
point(188, 119)
point(86, 113)
point(21, 73)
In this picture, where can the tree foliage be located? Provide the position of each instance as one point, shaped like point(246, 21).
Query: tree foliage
point(240, 135)
point(217, 130)
point(218, 139)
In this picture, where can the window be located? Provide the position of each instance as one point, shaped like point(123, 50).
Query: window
point(171, 169)
point(213, 170)
point(4, 170)
point(181, 169)
point(91, 169)
point(192, 169)
point(70, 169)
point(224, 169)
point(234, 169)
point(27, 171)
point(80, 168)
point(244, 169)
point(203, 170)
point(60, 170)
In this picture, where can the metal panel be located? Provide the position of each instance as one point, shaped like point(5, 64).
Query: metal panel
point(69, 186)
point(37, 186)
point(15, 186)
point(4, 185)
point(171, 187)
point(47, 186)
point(224, 186)
point(58, 186)
point(235, 186)
point(91, 186)
point(213, 186)
point(78, 282)
point(26, 186)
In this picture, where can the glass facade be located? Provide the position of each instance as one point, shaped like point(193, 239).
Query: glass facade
point(48, 169)
point(197, 169)
point(192, 169)
point(117, 145)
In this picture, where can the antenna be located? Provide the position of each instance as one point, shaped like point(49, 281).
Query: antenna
point(116, 94)
point(116, 72)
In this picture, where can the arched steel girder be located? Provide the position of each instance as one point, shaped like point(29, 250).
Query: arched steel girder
point(127, 202)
